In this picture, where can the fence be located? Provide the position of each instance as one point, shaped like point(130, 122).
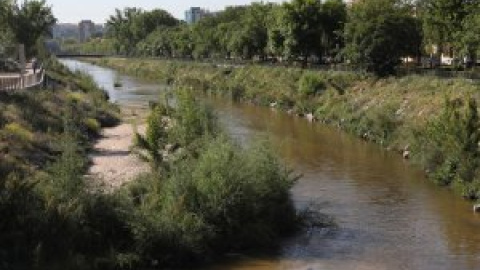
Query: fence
point(12, 82)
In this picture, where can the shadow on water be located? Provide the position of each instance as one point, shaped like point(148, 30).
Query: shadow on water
point(389, 215)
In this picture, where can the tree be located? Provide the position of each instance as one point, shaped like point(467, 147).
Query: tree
point(29, 22)
point(379, 33)
point(146, 22)
point(119, 28)
point(443, 20)
point(252, 36)
point(469, 37)
point(5, 32)
point(213, 35)
point(334, 16)
point(131, 25)
point(301, 29)
point(305, 28)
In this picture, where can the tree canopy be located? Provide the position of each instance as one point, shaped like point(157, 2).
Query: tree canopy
point(445, 22)
point(131, 25)
point(30, 21)
point(379, 33)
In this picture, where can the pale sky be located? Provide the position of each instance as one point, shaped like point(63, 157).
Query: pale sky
point(73, 11)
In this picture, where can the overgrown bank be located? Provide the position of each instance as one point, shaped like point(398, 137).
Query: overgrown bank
point(205, 195)
point(44, 137)
point(431, 120)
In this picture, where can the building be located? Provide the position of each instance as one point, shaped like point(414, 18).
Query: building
point(194, 14)
point(65, 31)
point(86, 29)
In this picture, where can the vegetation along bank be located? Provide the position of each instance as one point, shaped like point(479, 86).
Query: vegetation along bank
point(203, 197)
point(430, 120)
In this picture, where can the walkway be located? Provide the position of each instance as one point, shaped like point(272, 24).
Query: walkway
point(113, 162)
point(13, 81)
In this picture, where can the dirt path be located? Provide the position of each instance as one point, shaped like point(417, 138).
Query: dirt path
point(113, 164)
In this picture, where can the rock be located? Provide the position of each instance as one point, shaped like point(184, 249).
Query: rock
point(273, 105)
point(476, 208)
point(171, 147)
point(310, 117)
point(406, 152)
point(290, 111)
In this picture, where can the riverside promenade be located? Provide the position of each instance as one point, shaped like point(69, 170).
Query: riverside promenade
point(15, 81)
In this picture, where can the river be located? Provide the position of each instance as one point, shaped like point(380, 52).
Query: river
point(389, 215)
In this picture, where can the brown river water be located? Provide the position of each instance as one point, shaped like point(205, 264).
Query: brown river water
point(389, 215)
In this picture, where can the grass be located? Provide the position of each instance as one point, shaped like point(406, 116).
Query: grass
point(395, 112)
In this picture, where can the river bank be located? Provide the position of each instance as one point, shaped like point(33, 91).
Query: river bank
point(403, 114)
point(44, 137)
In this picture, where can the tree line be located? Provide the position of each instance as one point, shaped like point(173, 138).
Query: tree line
point(371, 34)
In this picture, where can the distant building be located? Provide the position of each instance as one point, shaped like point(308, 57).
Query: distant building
point(86, 29)
point(194, 14)
point(65, 31)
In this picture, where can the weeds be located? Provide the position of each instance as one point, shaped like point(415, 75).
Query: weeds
point(449, 147)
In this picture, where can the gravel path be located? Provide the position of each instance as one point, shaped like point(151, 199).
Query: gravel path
point(113, 164)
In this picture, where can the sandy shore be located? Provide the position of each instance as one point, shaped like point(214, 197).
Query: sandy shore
point(113, 164)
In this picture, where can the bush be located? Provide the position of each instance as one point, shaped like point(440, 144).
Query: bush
point(18, 132)
point(449, 147)
point(192, 120)
point(93, 126)
point(311, 85)
point(152, 144)
point(227, 199)
point(217, 198)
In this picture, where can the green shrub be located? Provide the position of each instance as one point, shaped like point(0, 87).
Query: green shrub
point(93, 126)
point(378, 124)
point(226, 199)
point(311, 85)
point(151, 145)
point(192, 120)
point(218, 197)
point(449, 147)
point(16, 131)
point(76, 97)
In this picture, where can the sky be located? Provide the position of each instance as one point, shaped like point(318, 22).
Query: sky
point(73, 11)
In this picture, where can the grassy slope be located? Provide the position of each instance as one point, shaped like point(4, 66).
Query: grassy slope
point(31, 122)
point(395, 112)
point(44, 135)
